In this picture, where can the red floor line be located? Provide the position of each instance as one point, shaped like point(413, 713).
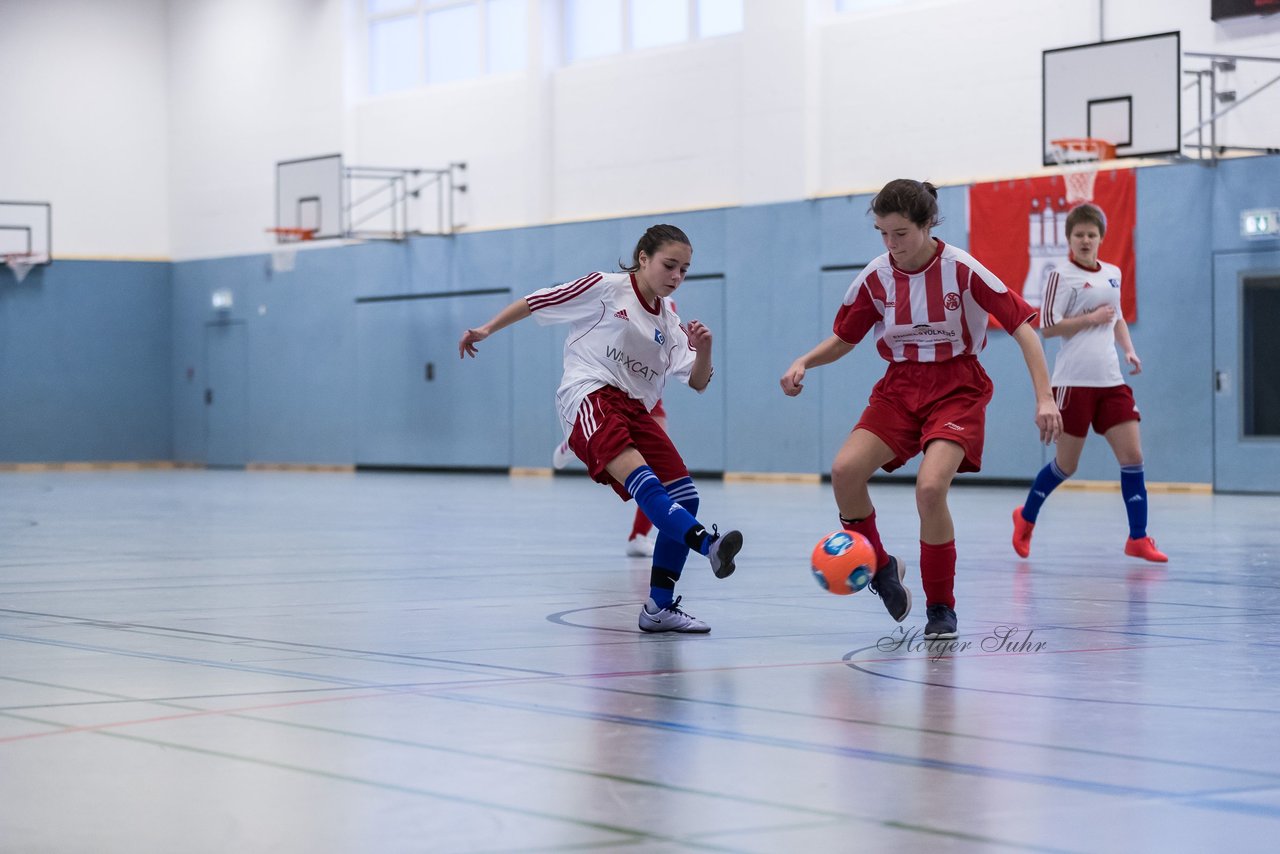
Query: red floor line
point(393, 690)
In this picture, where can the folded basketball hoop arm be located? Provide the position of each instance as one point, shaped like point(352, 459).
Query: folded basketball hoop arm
point(387, 191)
point(1221, 63)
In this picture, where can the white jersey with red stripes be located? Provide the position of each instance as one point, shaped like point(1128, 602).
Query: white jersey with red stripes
point(1088, 357)
point(615, 339)
point(928, 315)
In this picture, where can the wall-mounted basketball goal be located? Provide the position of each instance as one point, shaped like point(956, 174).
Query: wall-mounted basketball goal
point(26, 236)
point(321, 198)
point(1125, 93)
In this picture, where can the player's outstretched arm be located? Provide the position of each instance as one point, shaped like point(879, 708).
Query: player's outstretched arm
point(828, 351)
point(518, 310)
point(1048, 418)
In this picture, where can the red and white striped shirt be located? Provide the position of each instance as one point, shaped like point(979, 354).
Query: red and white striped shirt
point(928, 315)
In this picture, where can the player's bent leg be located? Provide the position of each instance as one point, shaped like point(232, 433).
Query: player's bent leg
point(862, 453)
point(670, 518)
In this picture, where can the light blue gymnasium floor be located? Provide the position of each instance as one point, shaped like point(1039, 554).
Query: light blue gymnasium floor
point(215, 661)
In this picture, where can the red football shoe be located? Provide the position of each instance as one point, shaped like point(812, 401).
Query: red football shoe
point(1145, 548)
point(1022, 534)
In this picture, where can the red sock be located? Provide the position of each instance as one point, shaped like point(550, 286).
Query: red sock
point(867, 528)
point(641, 526)
point(938, 572)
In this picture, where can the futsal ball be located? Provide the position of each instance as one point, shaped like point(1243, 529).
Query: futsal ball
point(843, 562)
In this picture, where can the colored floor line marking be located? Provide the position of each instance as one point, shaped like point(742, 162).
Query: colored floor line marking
point(855, 666)
point(178, 659)
point(388, 690)
point(633, 835)
point(278, 645)
point(965, 768)
point(424, 689)
point(1102, 754)
point(501, 682)
point(402, 742)
point(396, 787)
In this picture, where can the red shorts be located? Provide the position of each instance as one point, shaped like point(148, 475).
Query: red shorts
point(1102, 408)
point(917, 402)
point(609, 422)
point(658, 411)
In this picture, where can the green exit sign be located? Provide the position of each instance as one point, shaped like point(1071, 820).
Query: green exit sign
point(1264, 222)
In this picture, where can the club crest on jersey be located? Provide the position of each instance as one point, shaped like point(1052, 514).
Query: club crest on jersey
point(657, 336)
point(1115, 283)
point(622, 312)
point(951, 302)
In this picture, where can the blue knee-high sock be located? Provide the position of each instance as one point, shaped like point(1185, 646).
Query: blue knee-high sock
point(1133, 486)
point(665, 514)
point(669, 554)
point(1046, 481)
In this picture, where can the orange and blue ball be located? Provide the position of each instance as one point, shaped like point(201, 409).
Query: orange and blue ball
point(843, 562)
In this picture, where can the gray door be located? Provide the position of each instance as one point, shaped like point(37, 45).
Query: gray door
point(697, 421)
point(419, 404)
point(1246, 354)
point(226, 396)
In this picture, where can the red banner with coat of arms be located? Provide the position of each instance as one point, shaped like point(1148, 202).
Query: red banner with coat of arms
point(1017, 230)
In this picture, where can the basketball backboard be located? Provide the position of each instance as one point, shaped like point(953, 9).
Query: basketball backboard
point(26, 230)
point(1127, 92)
point(309, 196)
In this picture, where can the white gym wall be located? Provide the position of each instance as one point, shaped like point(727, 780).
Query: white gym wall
point(86, 127)
point(154, 126)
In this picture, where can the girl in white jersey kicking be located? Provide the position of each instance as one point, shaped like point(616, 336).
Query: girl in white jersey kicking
point(624, 342)
point(928, 304)
point(1082, 306)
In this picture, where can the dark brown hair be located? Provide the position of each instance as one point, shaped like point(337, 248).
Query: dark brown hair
point(653, 240)
point(1089, 214)
point(915, 200)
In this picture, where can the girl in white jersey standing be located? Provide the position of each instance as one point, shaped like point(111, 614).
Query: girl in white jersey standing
point(623, 344)
point(1082, 306)
point(928, 304)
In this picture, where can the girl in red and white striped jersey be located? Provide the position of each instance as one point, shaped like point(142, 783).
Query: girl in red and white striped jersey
point(927, 304)
point(624, 342)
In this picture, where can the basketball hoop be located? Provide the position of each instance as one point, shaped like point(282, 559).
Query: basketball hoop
point(1079, 159)
point(22, 263)
point(292, 235)
point(284, 256)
